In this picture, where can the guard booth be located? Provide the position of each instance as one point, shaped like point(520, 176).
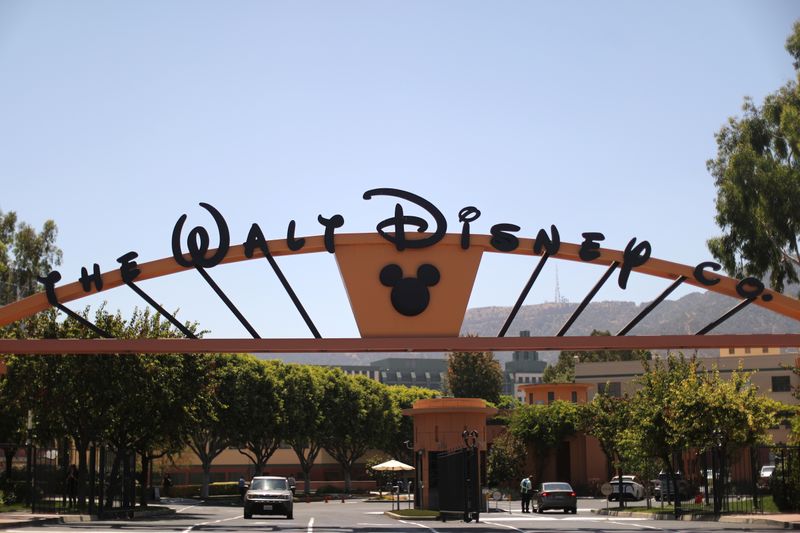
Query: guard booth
point(450, 443)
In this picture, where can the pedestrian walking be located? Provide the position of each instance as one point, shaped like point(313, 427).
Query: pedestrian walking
point(242, 488)
point(166, 483)
point(72, 485)
point(526, 491)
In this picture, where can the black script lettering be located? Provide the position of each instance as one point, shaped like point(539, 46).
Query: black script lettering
point(634, 255)
point(255, 239)
point(589, 246)
point(757, 287)
point(336, 221)
point(551, 243)
point(400, 221)
point(198, 241)
point(502, 239)
point(49, 283)
point(700, 275)
point(128, 268)
point(291, 242)
point(465, 216)
point(86, 279)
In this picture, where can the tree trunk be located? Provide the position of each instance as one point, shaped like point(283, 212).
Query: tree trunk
point(80, 449)
point(206, 479)
point(10, 453)
point(347, 479)
point(145, 484)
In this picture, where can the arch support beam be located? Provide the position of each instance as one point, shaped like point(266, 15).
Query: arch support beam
point(395, 344)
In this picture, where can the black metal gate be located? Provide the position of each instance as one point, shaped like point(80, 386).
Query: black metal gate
point(105, 485)
point(459, 490)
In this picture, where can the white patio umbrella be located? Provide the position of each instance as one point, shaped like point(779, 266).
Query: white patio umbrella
point(392, 466)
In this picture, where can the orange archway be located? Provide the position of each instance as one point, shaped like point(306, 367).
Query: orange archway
point(406, 292)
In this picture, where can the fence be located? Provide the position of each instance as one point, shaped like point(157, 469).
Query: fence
point(106, 486)
point(739, 481)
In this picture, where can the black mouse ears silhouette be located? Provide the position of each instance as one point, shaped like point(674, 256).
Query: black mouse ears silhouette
point(410, 296)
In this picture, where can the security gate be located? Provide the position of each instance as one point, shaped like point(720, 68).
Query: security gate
point(459, 491)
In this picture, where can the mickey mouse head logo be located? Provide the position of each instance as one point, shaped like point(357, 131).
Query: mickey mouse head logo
point(410, 296)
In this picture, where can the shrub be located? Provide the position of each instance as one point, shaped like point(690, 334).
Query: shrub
point(184, 491)
point(785, 486)
point(328, 489)
point(223, 488)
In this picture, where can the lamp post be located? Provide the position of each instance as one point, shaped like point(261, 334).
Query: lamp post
point(29, 456)
point(470, 438)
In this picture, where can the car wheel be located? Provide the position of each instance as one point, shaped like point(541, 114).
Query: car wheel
point(290, 516)
point(566, 510)
point(574, 510)
point(248, 516)
point(540, 510)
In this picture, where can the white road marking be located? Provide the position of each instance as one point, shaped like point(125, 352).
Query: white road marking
point(640, 525)
point(310, 525)
point(503, 525)
point(187, 530)
point(418, 525)
point(183, 509)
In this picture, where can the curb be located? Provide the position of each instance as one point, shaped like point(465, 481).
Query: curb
point(74, 519)
point(396, 516)
point(755, 520)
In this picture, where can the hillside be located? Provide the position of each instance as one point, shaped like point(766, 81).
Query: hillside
point(686, 315)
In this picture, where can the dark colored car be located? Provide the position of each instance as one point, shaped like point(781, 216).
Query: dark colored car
point(555, 495)
point(269, 495)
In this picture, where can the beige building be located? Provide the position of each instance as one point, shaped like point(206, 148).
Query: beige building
point(771, 373)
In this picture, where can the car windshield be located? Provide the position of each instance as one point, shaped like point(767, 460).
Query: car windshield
point(268, 484)
point(556, 486)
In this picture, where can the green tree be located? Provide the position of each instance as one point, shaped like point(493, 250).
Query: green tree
point(757, 176)
point(544, 427)
point(211, 432)
point(403, 431)
point(305, 394)
point(359, 414)
point(505, 462)
point(25, 254)
point(474, 375)
point(256, 416)
point(561, 372)
point(606, 418)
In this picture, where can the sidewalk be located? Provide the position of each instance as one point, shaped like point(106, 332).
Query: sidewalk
point(784, 520)
point(23, 519)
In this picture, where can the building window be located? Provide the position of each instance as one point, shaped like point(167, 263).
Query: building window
point(551, 396)
point(519, 379)
point(613, 389)
point(747, 350)
point(731, 351)
point(527, 379)
point(530, 398)
point(574, 397)
point(764, 350)
point(781, 384)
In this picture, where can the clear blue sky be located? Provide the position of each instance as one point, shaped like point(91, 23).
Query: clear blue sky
point(118, 117)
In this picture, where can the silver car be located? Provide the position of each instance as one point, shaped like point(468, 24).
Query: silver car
point(269, 495)
point(555, 495)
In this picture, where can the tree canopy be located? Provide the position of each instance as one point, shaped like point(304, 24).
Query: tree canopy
point(757, 175)
point(474, 375)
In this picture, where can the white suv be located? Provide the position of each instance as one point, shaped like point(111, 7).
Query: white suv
point(268, 495)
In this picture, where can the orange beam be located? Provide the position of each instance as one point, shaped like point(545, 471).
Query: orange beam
point(393, 344)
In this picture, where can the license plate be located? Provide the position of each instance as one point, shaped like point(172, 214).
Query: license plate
point(267, 506)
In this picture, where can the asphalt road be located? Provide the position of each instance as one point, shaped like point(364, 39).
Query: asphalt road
point(361, 517)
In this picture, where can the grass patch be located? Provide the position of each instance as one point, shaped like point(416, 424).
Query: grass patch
point(417, 513)
point(667, 509)
point(768, 504)
point(14, 507)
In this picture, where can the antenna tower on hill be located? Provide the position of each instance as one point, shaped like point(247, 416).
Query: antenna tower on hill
point(558, 298)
